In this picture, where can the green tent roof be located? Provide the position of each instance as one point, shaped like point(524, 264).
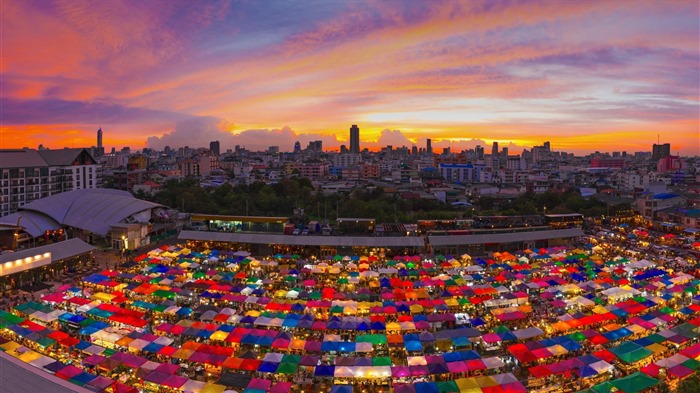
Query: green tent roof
point(578, 336)
point(634, 383)
point(45, 342)
point(375, 339)
point(12, 319)
point(291, 359)
point(164, 294)
point(381, 361)
point(692, 364)
point(604, 387)
point(447, 387)
point(636, 355)
point(287, 368)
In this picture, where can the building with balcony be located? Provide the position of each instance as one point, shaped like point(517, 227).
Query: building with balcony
point(27, 175)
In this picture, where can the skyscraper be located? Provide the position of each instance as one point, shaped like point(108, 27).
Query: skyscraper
point(355, 139)
point(429, 146)
point(99, 151)
point(494, 149)
point(215, 147)
point(660, 151)
point(297, 147)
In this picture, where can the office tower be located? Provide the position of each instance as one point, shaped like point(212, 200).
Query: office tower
point(660, 151)
point(414, 150)
point(547, 147)
point(479, 151)
point(494, 149)
point(504, 152)
point(297, 147)
point(429, 146)
point(215, 147)
point(99, 138)
point(355, 139)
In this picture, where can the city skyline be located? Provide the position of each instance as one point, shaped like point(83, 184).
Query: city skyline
point(585, 76)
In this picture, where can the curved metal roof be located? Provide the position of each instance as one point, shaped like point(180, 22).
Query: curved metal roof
point(94, 210)
point(31, 222)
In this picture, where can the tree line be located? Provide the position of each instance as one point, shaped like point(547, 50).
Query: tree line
point(282, 199)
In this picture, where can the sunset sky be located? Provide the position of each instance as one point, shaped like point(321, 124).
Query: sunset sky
point(585, 75)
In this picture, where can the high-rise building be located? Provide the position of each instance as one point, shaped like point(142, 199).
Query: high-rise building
point(479, 151)
point(33, 174)
point(355, 139)
point(315, 147)
point(660, 151)
point(215, 147)
point(494, 149)
point(429, 146)
point(99, 151)
point(297, 147)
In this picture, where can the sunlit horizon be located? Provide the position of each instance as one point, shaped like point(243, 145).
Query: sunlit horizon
point(586, 76)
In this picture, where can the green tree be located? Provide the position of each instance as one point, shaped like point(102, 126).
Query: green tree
point(690, 384)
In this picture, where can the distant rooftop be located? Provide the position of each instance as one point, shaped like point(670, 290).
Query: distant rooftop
point(665, 195)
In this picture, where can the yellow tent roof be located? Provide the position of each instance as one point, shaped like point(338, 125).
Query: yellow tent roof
point(103, 297)
point(467, 384)
point(10, 346)
point(486, 381)
point(212, 388)
point(29, 356)
point(656, 348)
point(219, 335)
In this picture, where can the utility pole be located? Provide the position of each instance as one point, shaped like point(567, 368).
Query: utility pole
point(15, 237)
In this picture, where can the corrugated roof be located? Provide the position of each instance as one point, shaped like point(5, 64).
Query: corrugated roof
point(31, 222)
point(59, 251)
point(504, 237)
point(20, 158)
point(94, 210)
point(337, 241)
